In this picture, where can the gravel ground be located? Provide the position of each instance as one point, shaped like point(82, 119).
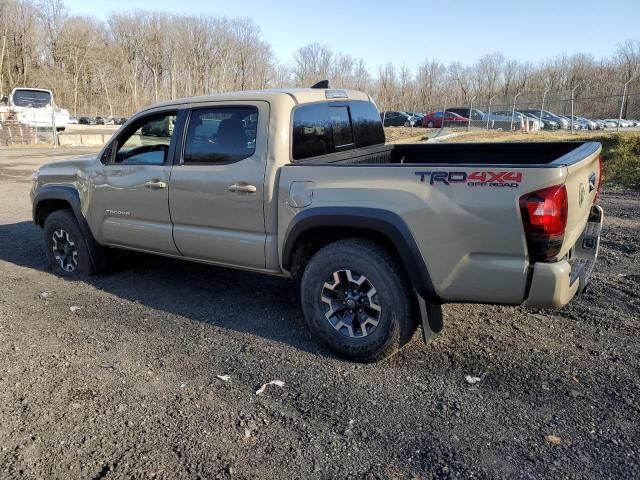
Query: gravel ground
point(127, 385)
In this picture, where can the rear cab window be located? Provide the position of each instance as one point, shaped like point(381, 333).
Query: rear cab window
point(329, 127)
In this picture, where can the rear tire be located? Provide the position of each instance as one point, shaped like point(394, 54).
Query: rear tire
point(357, 300)
point(70, 254)
point(430, 124)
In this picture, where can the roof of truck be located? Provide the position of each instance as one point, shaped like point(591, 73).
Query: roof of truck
point(299, 95)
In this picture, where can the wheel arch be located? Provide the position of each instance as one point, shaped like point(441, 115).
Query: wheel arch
point(55, 197)
point(51, 198)
point(314, 228)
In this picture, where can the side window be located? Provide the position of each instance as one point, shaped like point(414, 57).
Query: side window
point(341, 125)
point(147, 142)
point(220, 135)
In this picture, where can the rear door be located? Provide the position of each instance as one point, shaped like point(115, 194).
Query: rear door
point(217, 189)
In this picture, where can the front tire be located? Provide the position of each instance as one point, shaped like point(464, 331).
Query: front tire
point(65, 246)
point(357, 300)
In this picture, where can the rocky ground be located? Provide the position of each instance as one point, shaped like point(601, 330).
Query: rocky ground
point(152, 372)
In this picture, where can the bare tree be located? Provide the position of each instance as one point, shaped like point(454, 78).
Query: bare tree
point(53, 14)
point(311, 63)
point(138, 57)
point(76, 43)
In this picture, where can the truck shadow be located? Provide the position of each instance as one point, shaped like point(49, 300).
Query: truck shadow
point(246, 302)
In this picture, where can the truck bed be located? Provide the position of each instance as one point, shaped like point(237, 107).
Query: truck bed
point(461, 203)
point(529, 154)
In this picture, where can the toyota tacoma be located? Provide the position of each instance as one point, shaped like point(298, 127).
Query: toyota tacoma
point(300, 183)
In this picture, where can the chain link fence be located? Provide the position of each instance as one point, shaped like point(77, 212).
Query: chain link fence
point(531, 112)
point(15, 130)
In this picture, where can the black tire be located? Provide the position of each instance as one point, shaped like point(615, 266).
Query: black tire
point(61, 231)
point(430, 124)
point(392, 294)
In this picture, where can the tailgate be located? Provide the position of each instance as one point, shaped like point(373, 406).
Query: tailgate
point(582, 181)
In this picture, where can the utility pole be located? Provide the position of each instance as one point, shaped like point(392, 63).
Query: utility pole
point(573, 91)
point(624, 94)
point(513, 110)
point(489, 113)
point(544, 95)
point(470, 112)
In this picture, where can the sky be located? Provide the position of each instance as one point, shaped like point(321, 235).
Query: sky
point(408, 32)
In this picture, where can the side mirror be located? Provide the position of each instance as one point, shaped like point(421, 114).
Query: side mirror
point(107, 155)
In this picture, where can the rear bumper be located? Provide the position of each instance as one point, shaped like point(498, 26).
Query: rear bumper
point(553, 285)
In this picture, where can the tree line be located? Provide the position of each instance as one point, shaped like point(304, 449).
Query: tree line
point(132, 59)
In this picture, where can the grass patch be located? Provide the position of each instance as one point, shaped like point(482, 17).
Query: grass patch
point(404, 134)
point(620, 151)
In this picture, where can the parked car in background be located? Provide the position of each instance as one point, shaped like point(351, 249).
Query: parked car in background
point(120, 121)
point(416, 117)
point(546, 124)
point(577, 125)
point(470, 113)
point(99, 121)
point(73, 121)
point(450, 119)
point(84, 121)
point(109, 121)
point(608, 123)
point(393, 118)
point(534, 124)
point(585, 123)
point(546, 115)
point(484, 120)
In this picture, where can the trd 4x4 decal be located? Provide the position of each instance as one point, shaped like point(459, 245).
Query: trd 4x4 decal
point(473, 179)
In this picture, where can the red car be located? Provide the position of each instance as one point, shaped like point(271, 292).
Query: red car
point(434, 120)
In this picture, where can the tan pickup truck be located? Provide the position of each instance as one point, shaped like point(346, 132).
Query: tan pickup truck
point(300, 183)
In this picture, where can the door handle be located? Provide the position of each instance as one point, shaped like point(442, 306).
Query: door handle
point(242, 188)
point(156, 184)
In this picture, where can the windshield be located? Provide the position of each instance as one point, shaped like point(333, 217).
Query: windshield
point(31, 98)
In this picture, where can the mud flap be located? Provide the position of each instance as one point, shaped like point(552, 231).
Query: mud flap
point(430, 318)
point(586, 249)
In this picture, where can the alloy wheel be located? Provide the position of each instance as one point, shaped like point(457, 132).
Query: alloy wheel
point(65, 250)
point(351, 304)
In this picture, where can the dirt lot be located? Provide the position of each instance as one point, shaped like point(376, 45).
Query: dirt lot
point(126, 386)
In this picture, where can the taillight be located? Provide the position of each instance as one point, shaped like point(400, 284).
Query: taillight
point(544, 214)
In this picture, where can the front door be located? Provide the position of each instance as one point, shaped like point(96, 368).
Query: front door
point(217, 194)
point(130, 193)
